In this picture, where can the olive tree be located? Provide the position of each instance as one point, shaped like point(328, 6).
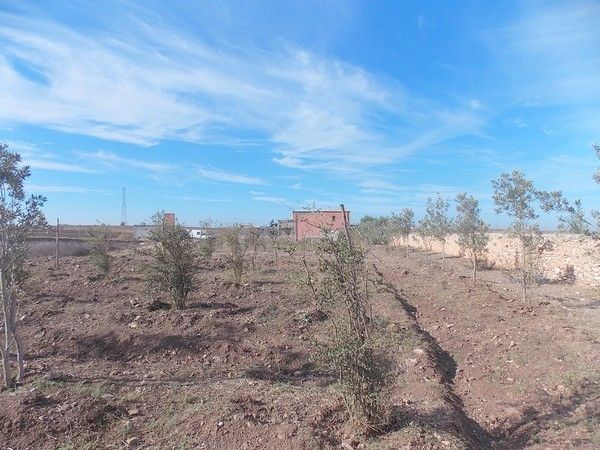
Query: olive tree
point(174, 260)
point(438, 222)
point(376, 230)
point(236, 246)
point(424, 232)
point(574, 218)
point(18, 216)
point(404, 222)
point(517, 197)
point(596, 213)
point(254, 240)
point(472, 232)
point(355, 351)
point(98, 239)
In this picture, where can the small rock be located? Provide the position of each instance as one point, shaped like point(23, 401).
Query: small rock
point(133, 412)
point(133, 441)
point(133, 324)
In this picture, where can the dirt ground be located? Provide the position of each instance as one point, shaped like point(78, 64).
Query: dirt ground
point(476, 368)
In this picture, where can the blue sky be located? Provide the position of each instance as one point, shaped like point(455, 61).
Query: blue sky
point(245, 110)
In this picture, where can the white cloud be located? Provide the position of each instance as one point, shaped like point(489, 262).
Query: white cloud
point(63, 189)
point(113, 161)
point(270, 199)
point(154, 83)
point(213, 174)
point(37, 158)
point(552, 54)
point(192, 198)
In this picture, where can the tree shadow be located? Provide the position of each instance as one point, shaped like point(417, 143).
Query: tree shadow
point(289, 366)
point(114, 347)
point(62, 299)
point(521, 433)
point(451, 420)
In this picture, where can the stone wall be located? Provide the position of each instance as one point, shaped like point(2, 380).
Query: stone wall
point(580, 252)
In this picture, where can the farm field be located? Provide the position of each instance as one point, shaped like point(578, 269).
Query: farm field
point(109, 367)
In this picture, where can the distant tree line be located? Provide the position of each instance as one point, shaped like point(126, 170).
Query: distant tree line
point(515, 196)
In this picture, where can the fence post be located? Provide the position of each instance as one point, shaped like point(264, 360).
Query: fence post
point(56, 249)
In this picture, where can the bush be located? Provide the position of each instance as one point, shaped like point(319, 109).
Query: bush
point(354, 353)
point(437, 223)
point(98, 248)
point(236, 246)
point(404, 223)
point(174, 261)
point(376, 230)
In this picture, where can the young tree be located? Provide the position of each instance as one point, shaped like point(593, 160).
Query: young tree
point(405, 224)
point(236, 246)
point(516, 196)
point(99, 246)
point(596, 148)
point(376, 230)
point(575, 220)
point(424, 233)
point(18, 216)
point(437, 221)
point(355, 352)
point(472, 232)
point(174, 260)
point(596, 213)
point(273, 236)
point(254, 241)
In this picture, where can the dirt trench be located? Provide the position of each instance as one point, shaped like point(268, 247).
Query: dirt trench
point(450, 416)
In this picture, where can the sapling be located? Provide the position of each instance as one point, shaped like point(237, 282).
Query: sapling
point(362, 367)
point(254, 241)
point(236, 245)
point(472, 232)
point(18, 216)
point(174, 260)
point(437, 222)
point(99, 246)
point(405, 224)
point(517, 196)
point(376, 230)
point(424, 233)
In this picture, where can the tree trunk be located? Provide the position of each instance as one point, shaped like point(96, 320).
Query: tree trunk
point(6, 309)
point(524, 269)
point(443, 254)
point(474, 269)
point(20, 356)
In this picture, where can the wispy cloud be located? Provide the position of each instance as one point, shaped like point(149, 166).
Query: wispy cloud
point(270, 199)
point(551, 54)
point(193, 198)
point(36, 158)
point(213, 174)
point(155, 83)
point(63, 189)
point(113, 161)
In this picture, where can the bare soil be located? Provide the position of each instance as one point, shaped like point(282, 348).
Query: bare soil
point(476, 368)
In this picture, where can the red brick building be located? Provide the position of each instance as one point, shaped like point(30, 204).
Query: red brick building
point(308, 224)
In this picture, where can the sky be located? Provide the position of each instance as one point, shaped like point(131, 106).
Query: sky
point(241, 111)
